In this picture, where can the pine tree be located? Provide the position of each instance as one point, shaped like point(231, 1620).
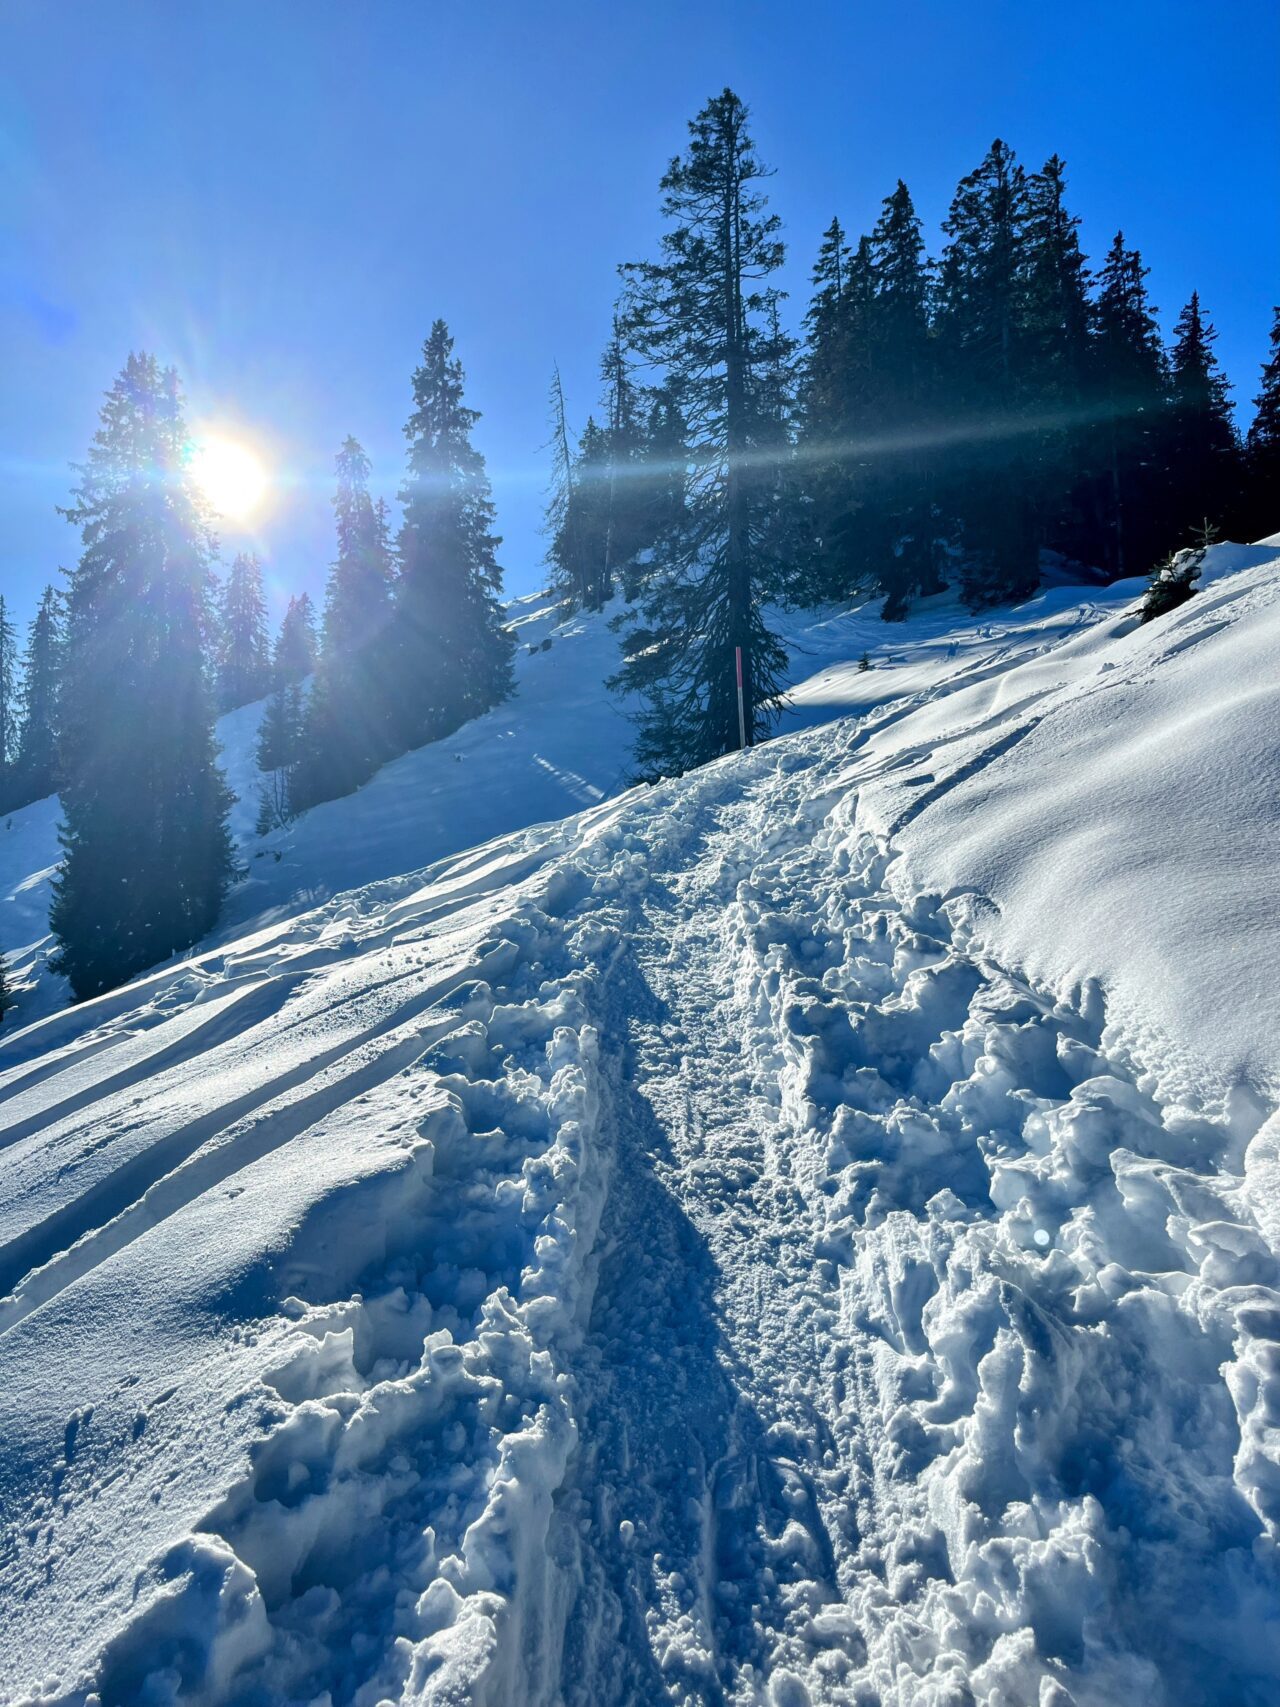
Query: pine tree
point(282, 732)
point(1129, 386)
point(695, 315)
point(244, 669)
point(655, 490)
point(905, 536)
point(351, 717)
point(1055, 361)
point(147, 855)
point(454, 650)
point(294, 657)
point(566, 554)
point(6, 995)
point(1202, 453)
point(8, 707)
point(1262, 449)
point(981, 312)
point(835, 397)
point(36, 770)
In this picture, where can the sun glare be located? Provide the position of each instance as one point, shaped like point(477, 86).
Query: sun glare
point(231, 477)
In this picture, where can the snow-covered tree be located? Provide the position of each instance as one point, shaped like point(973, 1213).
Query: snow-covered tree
point(8, 704)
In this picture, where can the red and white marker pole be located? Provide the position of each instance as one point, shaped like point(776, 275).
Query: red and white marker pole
point(742, 715)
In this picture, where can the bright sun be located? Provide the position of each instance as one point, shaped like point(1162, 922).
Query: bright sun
point(230, 476)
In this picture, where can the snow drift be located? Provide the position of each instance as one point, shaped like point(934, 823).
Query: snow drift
point(803, 1233)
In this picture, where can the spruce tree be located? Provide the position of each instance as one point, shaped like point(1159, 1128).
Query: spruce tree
point(294, 657)
point(1055, 362)
point(6, 995)
point(1262, 449)
point(835, 397)
point(147, 855)
point(454, 650)
point(697, 315)
point(1202, 453)
point(1128, 388)
point(566, 553)
point(282, 732)
point(244, 665)
point(905, 537)
point(351, 718)
point(36, 769)
point(8, 707)
point(981, 313)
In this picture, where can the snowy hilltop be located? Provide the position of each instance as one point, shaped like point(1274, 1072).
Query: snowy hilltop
point(804, 1232)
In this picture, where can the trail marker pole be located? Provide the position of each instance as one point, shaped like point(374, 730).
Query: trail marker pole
point(742, 716)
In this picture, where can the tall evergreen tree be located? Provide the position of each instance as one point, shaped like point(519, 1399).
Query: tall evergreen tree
point(1202, 454)
point(1055, 362)
point(655, 497)
point(454, 649)
point(1129, 394)
point(1262, 449)
point(6, 995)
point(981, 313)
point(244, 660)
point(567, 554)
point(905, 536)
point(37, 762)
point(294, 657)
point(147, 856)
point(351, 715)
point(835, 395)
point(282, 733)
point(695, 314)
point(8, 706)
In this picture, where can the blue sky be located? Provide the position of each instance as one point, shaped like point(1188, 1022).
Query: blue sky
point(279, 196)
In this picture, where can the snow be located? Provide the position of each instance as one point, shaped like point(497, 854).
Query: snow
point(803, 1233)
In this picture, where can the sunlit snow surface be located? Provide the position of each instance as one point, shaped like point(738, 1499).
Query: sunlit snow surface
point(802, 1233)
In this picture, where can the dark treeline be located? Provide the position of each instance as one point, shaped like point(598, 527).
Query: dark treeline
point(943, 422)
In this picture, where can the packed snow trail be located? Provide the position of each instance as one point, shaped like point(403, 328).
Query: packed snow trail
point(679, 1254)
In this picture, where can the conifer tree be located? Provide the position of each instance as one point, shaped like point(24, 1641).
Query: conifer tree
point(281, 735)
point(351, 715)
point(695, 314)
point(981, 312)
point(835, 395)
point(905, 536)
point(453, 647)
point(244, 665)
point(1129, 393)
point(6, 995)
point(36, 769)
point(294, 657)
point(1055, 360)
point(1201, 451)
point(566, 554)
point(147, 856)
point(8, 706)
point(655, 490)
point(1262, 449)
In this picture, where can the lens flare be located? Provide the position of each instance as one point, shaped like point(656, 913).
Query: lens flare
point(231, 477)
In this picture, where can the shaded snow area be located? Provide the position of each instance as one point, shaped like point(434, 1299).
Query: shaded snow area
point(803, 1233)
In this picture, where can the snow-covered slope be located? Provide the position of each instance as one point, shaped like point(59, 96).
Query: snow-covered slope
point(803, 1233)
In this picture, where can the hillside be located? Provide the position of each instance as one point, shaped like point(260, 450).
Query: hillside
point(804, 1232)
